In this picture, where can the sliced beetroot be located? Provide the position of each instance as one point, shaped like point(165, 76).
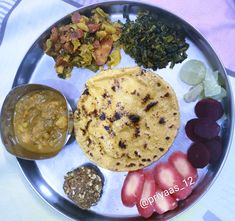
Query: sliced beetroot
point(218, 138)
point(189, 129)
point(215, 148)
point(209, 108)
point(198, 155)
point(206, 128)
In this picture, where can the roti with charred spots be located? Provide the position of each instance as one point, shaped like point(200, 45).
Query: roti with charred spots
point(126, 118)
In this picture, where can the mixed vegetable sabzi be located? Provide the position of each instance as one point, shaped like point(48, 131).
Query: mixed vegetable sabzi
point(85, 42)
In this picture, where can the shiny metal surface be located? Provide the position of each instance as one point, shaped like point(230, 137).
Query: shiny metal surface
point(7, 128)
point(41, 175)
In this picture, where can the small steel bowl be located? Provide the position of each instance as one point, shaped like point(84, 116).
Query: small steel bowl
point(7, 128)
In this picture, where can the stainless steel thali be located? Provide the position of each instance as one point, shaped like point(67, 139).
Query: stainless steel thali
point(46, 176)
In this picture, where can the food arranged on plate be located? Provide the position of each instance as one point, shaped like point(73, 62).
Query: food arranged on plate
point(127, 118)
point(41, 121)
point(205, 82)
point(87, 42)
point(204, 131)
point(154, 41)
point(159, 190)
point(95, 41)
point(84, 186)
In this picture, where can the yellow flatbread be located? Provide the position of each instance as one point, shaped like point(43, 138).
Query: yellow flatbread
point(126, 118)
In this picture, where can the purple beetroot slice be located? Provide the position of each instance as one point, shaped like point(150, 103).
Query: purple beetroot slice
point(189, 130)
point(214, 146)
point(206, 128)
point(209, 108)
point(219, 139)
point(198, 155)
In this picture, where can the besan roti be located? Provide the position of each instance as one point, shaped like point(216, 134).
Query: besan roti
point(126, 118)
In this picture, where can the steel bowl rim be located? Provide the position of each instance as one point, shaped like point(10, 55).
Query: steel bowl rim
point(69, 109)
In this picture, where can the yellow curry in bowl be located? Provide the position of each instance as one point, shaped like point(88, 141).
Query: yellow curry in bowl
point(36, 121)
point(40, 121)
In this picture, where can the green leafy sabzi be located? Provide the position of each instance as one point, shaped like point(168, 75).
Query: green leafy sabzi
point(153, 41)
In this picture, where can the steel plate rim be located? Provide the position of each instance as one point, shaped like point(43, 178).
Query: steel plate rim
point(35, 190)
point(230, 133)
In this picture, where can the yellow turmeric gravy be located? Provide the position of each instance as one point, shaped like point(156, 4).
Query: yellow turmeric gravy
point(41, 121)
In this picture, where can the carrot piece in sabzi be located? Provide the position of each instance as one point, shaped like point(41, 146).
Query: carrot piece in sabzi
point(76, 17)
point(93, 27)
point(102, 52)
